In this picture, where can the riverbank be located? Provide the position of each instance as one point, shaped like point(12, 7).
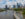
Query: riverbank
point(2, 10)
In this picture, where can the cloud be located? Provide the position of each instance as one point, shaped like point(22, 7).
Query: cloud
point(0, 0)
point(4, 2)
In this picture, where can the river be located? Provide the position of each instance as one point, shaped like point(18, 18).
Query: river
point(7, 14)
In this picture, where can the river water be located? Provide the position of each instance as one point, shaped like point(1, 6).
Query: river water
point(7, 14)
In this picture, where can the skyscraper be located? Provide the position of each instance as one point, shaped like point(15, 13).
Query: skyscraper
point(18, 5)
point(13, 6)
point(6, 7)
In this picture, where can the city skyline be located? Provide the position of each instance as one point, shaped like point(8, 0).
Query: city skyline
point(10, 2)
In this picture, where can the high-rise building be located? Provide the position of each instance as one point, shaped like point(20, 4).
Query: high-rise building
point(9, 6)
point(18, 5)
point(13, 6)
point(6, 7)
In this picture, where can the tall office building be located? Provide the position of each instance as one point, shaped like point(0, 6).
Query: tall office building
point(18, 5)
point(9, 6)
point(6, 7)
point(13, 6)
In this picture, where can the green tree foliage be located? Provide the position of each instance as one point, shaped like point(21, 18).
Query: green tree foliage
point(20, 9)
point(24, 12)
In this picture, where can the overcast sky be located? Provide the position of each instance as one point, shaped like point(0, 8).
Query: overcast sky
point(10, 2)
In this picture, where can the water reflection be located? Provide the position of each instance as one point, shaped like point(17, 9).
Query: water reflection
point(8, 12)
point(4, 12)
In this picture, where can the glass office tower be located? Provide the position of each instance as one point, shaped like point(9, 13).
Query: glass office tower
point(6, 7)
point(13, 6)
point(18, 5)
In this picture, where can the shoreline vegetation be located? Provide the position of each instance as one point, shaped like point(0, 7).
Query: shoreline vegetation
point(15, 9)
point(3, 9)
point(20, 9)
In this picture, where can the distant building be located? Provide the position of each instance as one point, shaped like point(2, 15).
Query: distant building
point(10, 7)
point(21, 6)
point(18, 5)
point(6, 7)
point(13, 6)
point(24, 5)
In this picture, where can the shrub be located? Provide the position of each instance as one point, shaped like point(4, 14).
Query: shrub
point(24, 12)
